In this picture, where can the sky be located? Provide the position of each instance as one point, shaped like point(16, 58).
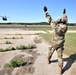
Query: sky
point(32, 10)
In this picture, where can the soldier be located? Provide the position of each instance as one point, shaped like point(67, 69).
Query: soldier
point(57, 43)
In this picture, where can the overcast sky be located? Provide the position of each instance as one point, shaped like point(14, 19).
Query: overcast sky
point(32, 10)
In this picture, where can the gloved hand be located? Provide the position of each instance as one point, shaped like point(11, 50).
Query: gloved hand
point(64, 11)
point(45, 8)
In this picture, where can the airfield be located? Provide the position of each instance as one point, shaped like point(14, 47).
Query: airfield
point(24, 35)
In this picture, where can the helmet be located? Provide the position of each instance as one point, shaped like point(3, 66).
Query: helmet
point(62, 19)
point(59, 19)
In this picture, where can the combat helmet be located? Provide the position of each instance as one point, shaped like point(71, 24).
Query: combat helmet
point(63, 18)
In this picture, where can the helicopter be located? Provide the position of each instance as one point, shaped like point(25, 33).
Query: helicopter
point(4, 18)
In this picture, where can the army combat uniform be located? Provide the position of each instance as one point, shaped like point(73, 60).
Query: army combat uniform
point(57, 43)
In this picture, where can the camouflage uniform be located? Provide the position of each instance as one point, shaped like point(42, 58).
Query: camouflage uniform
point(59, 29)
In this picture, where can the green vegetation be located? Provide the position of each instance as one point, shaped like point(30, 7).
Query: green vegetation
point(70, 43)
point(28, 63)
point(15, 63)
point(39, 23)
point(35, 23)
point(1, 50)
point(21, 47)
point(31, 46)
point(9, 49)
point(69, 46)
point(47, 28)
point(8, 42)
point(71, 24)
point(14, 38)
point(72, 28)
point(46, 37)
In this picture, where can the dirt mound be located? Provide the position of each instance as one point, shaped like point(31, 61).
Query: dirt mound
point(26, 68)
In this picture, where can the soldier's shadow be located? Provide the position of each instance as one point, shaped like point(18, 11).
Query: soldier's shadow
point(68, 61)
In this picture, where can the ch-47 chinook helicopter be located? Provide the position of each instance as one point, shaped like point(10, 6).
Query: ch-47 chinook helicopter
point(4, 18)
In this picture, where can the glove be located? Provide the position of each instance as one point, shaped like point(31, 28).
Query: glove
point(64, 11)
point(45, 8)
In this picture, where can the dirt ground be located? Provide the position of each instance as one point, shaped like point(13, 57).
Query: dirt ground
point(37, 56)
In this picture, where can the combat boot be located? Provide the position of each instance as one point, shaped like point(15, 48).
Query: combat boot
point(60, 70)
point(48, 60)
point(49, 55)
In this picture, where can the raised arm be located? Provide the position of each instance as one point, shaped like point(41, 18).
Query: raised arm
point(65, 18)
point(47, 15)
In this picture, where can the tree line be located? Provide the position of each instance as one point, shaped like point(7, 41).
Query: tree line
point(39, 23)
